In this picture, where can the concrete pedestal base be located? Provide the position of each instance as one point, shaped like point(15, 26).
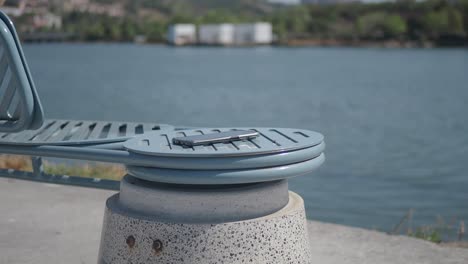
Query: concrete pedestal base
point(130, 237)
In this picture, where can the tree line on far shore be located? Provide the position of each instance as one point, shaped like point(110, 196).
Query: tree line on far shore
point(437, 21)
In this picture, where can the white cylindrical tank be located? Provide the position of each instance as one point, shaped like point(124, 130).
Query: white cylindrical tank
point(216, 34)
point(181, 34)
point(253, 34)
point(263, 33)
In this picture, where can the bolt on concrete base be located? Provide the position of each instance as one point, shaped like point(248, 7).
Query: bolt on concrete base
point(130, 236)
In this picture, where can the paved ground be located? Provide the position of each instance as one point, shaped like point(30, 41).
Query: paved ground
point(47, 224)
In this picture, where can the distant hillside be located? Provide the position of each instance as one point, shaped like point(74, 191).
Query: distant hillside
point(196, 7)
point(401, 23)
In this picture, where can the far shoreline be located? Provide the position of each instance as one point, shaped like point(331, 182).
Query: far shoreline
point(299, 43)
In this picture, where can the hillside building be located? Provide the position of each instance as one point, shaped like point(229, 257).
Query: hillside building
point(241, 34)
point(182, 34)
point(225, 34)
point(253, 34)
point(216, 34)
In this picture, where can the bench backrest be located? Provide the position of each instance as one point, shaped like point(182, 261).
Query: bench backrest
point(20, 108)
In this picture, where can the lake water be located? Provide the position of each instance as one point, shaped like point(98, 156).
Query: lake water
point(395, 121)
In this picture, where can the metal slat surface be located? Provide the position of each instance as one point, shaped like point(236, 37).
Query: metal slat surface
point(77, 132)
point(244, 145)
point(8, 89)
point(64, 132)
point(148, 127)
point(48, 131)
point(114, 130)
point(270, 140)
point(262, 142)
point(130, 129)
point(278, 137)
point(221, 146)
point(82, 131)
point(21, 137)
point(119, 155)
point(97, 129)
point(138, 129)
point(73, 131)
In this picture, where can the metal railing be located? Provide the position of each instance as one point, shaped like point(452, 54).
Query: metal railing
point(39, 175)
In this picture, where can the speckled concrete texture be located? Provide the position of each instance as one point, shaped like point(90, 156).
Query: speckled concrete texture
point(280, 237)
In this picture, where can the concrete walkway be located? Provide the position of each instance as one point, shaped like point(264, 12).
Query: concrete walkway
point(47, 224)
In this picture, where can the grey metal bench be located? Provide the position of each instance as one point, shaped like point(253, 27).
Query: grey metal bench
point(141, 147)
point(226, 189)
point(72, 133)
point(79, 132)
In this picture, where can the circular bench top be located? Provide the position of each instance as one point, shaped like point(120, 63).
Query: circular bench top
point(268, 141)
point(275, 153)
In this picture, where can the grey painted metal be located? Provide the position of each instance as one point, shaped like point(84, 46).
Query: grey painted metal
point(80, 132)
point(230, 193)
point(226, 176)
point(146, 149)
point(107, 153)
point(20, 107)
point(231, 162)
point(177, 203)
point(271, 140)
point(276, 154)
point(37, 166)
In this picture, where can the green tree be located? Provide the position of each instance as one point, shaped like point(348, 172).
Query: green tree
point(129, 30)
point(219, 16)
point(155, 31)
point(95, 31)
point(370, 26)
point(394, 26)
point(455, 21)
point(379, 25)
point(298, 20)
point(342, 30)
point(440, 21)
point(447, 21)
point(279, 26)
point(113, 31)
